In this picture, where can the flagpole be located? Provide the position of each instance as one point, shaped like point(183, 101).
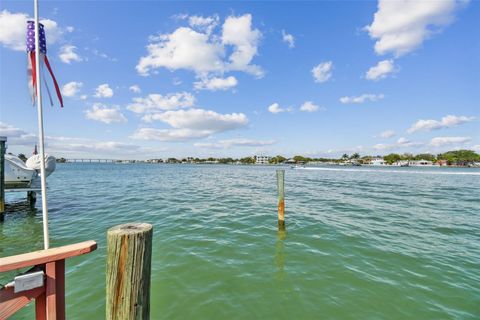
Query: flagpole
point(46, 243)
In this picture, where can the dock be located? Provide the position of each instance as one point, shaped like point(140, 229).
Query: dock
point(31, 191)
point(3, 141)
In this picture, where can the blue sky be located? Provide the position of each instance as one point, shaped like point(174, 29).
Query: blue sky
point(150, 79)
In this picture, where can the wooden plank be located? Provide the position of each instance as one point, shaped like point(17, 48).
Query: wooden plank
point(60, 283)
point(51, 291)
point(11, 302)
point(10, 189)
point(45, 256)
point(41, 307)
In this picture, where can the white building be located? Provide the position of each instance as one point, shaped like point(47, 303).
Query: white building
point(262, 159)
point(421, 163)
point(414, 163)
point(377, 162)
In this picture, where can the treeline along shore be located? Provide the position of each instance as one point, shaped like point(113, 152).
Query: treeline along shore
point(454, 158)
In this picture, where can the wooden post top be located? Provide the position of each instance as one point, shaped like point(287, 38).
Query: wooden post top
point(44, 256)
point(130, 228)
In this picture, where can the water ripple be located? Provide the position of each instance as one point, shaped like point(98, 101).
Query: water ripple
point(360, 243)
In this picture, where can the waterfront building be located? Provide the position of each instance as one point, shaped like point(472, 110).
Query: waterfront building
point(420, 163)
point(377, 162)
point(262, 159)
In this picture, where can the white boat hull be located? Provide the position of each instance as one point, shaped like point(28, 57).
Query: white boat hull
point(17, 174)
point(20, 175)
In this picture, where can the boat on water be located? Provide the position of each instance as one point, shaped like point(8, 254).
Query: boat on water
point(377, 162)
point(19, 174)
point(351, 162)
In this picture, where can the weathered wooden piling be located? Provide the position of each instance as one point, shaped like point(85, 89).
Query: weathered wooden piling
point(31, 198)
point(3, 140)
point(129, 255)
point(281, 199)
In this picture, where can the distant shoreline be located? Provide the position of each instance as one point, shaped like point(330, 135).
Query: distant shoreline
point(315, 165)
point(454, 158)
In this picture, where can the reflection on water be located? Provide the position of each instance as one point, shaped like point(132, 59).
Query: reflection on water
point(280, 254)
point(20, 207)
point(360, 245)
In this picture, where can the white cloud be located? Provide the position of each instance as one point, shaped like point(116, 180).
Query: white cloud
point(190, 124)
point(156, 102)
point(400, 27)
point(476, 148)
point(444, 141)
point(446, 122)
point(17, 136)
point(103, 55)
point(238, 32)
point(323, 71)
point(199, 119)
point(168, 134)
point(12, 30)
point(71, 147)
point(88, 148)
point(70, 29)
point(229, 143)
point(205, 24)
point(83, 97)
point(71, 89)
point(208, 145)
point(180, 16)
point(94, 147)
point(381, 70)
point(401, 143)
point(275, 108)
point(135, 89)
point(362, 98)
point(246, 142)
point(387, 134)
point(103, 91)
point(309, 106)
point(101, 112)
point(10, 131)
point(202, 52)
point(182, 49)
point(288, 39)
point(67, 54)
point(214, 84)
point(383, 146)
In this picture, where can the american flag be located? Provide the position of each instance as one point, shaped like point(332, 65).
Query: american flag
point(31, 70)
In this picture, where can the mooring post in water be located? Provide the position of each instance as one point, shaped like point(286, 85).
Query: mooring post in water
point(129, 256)
point(281, 199)
point(31, 198)
point(2, 176)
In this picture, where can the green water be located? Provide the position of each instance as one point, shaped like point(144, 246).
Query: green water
point(360, 244)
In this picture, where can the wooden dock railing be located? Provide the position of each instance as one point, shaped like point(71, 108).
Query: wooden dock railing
point(45, 282)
